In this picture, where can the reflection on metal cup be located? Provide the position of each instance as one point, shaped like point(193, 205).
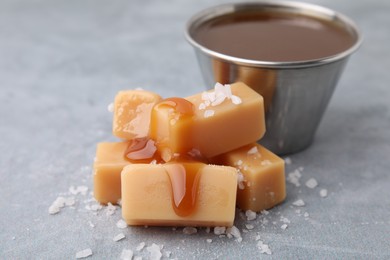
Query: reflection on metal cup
point(296, 93)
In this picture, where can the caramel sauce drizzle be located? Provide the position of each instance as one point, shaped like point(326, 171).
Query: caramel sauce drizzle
point(184, 179)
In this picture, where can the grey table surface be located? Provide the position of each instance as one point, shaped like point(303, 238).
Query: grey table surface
point(61, 64)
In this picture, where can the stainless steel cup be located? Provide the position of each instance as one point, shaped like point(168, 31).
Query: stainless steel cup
point(296, 93)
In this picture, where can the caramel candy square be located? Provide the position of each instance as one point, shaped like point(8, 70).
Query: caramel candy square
point(132, 110)
point(160, 194)
point(108, 165)
point(264, 185)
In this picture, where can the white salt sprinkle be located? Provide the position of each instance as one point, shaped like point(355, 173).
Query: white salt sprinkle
point(249, 226)
point(264, 249)
point(306, 215)
point(126, 254)
point(118, 237)
point(155, 252)
point(209, 240)
point(208, 113)
point(189, 230)
point(250, 215)
point(140, 246)
point(240, 180)
point(299, 203)
point(287, 160)
point(235, 232)
point(219, 230)
point(110, 209)
point(253, 150)
point(84, 253)
point(121, 224)
point(110, 107)
point(312, 183)
point(284, 226)
point(293, 177)
point(324, 193)
point(79, 189)
point(59, 203)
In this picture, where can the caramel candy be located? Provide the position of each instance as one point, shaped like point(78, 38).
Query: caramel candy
point(108, 165)
point(179, 194)
point(263, 173)
point(221, 120)
point(132, 109)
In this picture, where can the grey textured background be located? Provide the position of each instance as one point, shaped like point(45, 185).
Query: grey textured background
point(61, 63)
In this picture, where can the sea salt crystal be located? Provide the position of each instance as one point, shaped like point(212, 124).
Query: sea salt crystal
point(110, 107)
point(249, 226)
point(265, 162)
point(284, 226)
point(293, 177)
point(79, 189)
point(324, 193)
point(208, 113)
point(236, 100)
point(306, 215)
point(240, 180)
point(140, 246)
point(56, 206)
point(189, 230)
point(311, 183)
point(126, 254)
point(119, 237)
point(253, 150)
point(235, 232)
point(84, 253)
point(155, 252)
point(95, 207)
point(264, 249)
point(299, 203)
point(110, 209)
point(209, 240)
point(284, 220)
point(287, 160)
point(219, 230)
point(202, 106)
point(121, 224)
point(250, 215)
point(91, 224)
point(264, 212)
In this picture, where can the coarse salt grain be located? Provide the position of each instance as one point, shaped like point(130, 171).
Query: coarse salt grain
point(84, 253)
point(209, 240)
point(110, 209)
point(155, 252)
point(240, 180)
point(219, 230)
point(264, 249)
point(299, 203)
point(284, 226)
point(287, 160)
point(127, 254)
point(253, 150)
point(140, 246)
point(312, 183)
point(189, 230)
point(118, 237)
point(235, 232)
point(121, 224)
point(250, 215)
point(208, 113)
point(79, 189)
point(306, 215)
point(110, 107)
point(293, 177)
point(324, 193)
point(249, 226)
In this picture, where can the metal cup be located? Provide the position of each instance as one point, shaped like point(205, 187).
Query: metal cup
point(297, 93)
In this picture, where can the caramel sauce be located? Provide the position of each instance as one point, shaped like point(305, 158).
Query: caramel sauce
point(142, 150)
point(184, 178)
point(180, 105)
point(273, 36)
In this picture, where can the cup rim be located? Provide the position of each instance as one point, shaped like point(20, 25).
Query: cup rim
point(292, 6)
